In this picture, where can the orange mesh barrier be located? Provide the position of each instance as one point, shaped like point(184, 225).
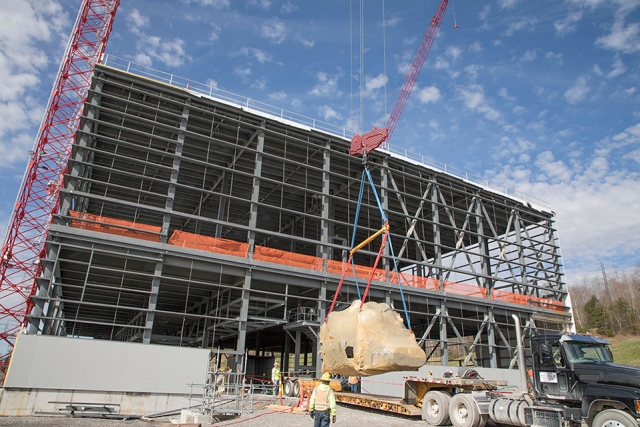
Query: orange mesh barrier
point(417, 281)
point(278, 256)
point(87, 221)
point(361, 272)
point(211, 244)
point(513, 298)
point(462, 289)
point(505, 296)
point(549, 304)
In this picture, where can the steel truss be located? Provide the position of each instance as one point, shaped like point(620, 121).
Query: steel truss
point(165, 157)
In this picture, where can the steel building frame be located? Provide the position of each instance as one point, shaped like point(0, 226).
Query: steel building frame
point(153, 154)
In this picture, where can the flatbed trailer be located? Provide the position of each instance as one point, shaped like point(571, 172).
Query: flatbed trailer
point(415, 390)
point(376, 401)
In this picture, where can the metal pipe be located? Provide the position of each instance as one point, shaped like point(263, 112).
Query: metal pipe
point(521, 361)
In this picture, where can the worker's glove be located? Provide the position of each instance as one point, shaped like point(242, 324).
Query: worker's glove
point(333, 419)
point(312, 414)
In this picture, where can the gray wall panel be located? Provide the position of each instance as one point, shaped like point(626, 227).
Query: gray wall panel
point(49, 362)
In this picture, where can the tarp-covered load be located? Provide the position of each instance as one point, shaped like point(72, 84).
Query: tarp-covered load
point(368, 341)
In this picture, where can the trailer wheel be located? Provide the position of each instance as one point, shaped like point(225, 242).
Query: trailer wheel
point(288, 387)
point(463, 412)
point(613, 418)
point(435, 407)
point(296, 388)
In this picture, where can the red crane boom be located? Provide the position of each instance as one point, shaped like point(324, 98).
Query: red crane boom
point(365, 143)
point(38, 198)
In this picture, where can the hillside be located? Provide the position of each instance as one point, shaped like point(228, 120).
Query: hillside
point(626, 349)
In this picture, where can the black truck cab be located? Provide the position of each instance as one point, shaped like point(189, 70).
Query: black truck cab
point(577, 372)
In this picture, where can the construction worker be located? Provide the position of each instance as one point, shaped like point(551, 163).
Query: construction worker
point(275, 378)
point(322, 406)
point(353, 383)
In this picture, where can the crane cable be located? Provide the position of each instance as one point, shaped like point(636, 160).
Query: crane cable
point(386, 237)
point(384, 57)
point(453, 9)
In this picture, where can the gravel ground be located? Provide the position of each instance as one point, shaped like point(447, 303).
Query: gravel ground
point(347, 416)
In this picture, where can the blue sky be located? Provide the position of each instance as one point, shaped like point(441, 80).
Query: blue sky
point(535, 97)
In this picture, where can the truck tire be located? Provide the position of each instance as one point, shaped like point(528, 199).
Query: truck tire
point(463, 412)
point(288, 387)
point(296, 388)
point(435, 407)
point(613, 418)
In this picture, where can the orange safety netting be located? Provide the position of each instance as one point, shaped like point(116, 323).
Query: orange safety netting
point(87, 221)
point(361, 272)
point(278, 256)
point(231, 247)
point(211, 244)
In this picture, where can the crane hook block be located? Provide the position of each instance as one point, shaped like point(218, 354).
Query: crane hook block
point(367, 142)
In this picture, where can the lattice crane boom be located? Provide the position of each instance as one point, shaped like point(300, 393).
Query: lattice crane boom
point(38, 199)
point(365, 143)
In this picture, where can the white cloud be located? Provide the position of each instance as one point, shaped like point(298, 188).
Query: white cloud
point(31, 38)
point(568, 24)
point(484, 13)
point(429, 94)
point(622, 38)
point(136, 21)
point(506, 4)
point(578, 91)
point(588, 3)
point(629, 136)
point(171, 53)
point(264, 4)
point(218, 4)
point(529, 55)
point(597, 70)
point(475, 47)
point(454, 52)
point(288, 7)
point(243, 73)
point(215, 32)
point(305, 41)
point(618, 68)
point(472, 71)
point(327, 113)
point(555, 58)
point(274, 30)
point(260, 84)
point(596, 205)
point(372, 84)
point(504, 93)
point(633, 155)
point(553, 171)
point(392, 22)
point(513, 151)
point(473, 98)
point(326, 86)
point(259, 55)
point(520, 25)
point(278, 96)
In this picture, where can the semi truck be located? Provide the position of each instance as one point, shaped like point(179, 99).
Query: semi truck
point(572, 381)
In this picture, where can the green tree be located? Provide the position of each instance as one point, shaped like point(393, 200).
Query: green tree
point(594, 313)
